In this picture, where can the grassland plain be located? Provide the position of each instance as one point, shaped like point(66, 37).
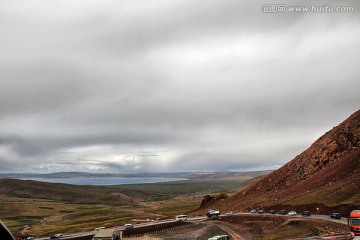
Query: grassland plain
point(47, 217)
point(74, 212)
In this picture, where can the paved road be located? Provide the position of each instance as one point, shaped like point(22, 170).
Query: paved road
point(200, 218)
point(343, 220)
point(320, 217)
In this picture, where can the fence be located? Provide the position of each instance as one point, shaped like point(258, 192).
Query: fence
point(155, 229)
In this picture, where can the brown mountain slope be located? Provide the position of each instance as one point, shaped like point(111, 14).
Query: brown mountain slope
point(63, 192)
point(328, 172)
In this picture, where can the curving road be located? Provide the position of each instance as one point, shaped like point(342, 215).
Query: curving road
point(232, 233)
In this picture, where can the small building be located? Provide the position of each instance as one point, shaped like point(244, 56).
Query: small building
point(107, 234)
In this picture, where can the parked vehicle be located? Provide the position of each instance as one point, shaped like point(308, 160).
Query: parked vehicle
point(292, 213)
point(335, 216)
point(305, 214)
point(253, 211)
point(182, 217)
point(260, 211)
point(22, 238)
point(272, 212)
point(354, 222)
point(283, 212)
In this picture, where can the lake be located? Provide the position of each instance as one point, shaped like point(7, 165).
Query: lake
point(106, 181)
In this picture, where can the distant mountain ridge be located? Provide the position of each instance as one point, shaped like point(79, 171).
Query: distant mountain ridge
point(65, 175)
point(326, 174)
point(97, 194)
point(110, 175)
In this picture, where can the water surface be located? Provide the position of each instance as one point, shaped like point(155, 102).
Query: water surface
point(106, 181)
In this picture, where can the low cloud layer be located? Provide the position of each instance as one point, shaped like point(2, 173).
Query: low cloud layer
point(139, 86)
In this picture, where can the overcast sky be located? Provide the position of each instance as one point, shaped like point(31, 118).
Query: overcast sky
point(162, 86)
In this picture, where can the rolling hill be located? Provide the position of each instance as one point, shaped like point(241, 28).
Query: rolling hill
point(324, 176)
point(63, 192)
point(121, 194)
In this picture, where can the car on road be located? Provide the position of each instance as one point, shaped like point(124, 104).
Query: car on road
point(212, 213)
point(305, 214)
point(335, 216)
point(260, 211)
point(292, 213)
point(182, 217)
point(283, 212)
point(253, 211)
point(272, 211)
point(128, 226)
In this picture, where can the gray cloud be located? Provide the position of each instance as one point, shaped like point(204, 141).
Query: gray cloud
point(170, 86)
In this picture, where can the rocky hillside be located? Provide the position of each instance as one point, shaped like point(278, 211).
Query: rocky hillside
point(326, 174)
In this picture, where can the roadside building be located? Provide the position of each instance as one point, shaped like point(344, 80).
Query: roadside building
point(107, 234)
